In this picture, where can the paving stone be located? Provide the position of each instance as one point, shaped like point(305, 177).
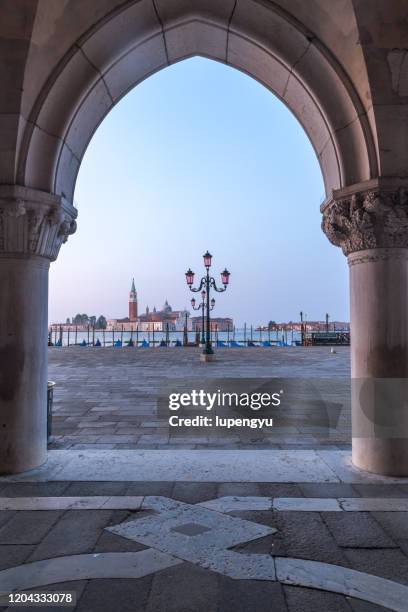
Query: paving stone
point(14, 554)
point(110, 542)
point(121, 595)
point(250, 596)
point(5, 516)
point(357, 605)
point(326, 489)
point(299, 599)
point(86, 566)
point(357, 529)
point(265, 517)
point(269, 489)
point(28, 527)
point(240, 489)
point(94, 445)
point(95, 502)
point(77, 489)
point(75, 533)
point(314, 504)
point(34, 489)
point(150, 488)
point(305, 535)
point(115, 439)
point(119, 516)
point(379, 490)
point(184, 588)
point(194, 492)
point(394, 523)
point(238, 504)
point(388, 563)
point(261, 546)
point(342, 580)
point(373, 504)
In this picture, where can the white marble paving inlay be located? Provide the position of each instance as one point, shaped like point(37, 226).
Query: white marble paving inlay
point(84, 567)
point(96, 502)
point(374, 504)
point(306, 504)
point(208, 549)
point(237, 503)
point(180, 532)
point(338, 579)
point(221, 504)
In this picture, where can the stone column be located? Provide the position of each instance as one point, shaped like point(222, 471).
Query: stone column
point(370, 223)
point(33, 225)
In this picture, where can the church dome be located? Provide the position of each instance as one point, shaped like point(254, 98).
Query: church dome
point(167, 307)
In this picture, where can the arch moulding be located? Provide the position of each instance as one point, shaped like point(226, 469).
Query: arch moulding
point(144, 36)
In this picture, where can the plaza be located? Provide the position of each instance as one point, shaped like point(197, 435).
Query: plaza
point(107, 398)
point(127, 516)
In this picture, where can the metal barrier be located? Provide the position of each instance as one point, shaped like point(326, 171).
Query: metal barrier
point(246, 336)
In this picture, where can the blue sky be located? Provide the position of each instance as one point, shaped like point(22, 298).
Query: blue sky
point(200, 156)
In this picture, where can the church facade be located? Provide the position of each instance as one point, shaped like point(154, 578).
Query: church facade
point(151, 320)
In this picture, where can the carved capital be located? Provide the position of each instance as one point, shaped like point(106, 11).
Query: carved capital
point(370, 219)
point(33, 222)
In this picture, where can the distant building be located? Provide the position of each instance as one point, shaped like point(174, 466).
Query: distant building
point(166, 318)
point(310, 326)
point(220, 324)
point(154, 320)
point(133, 303)
point(151, 320)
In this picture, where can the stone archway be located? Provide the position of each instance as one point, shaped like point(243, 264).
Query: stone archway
point(142, 38)
point(74, 63)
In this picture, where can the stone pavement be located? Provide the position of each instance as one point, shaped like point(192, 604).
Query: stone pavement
point(131, 518)
point(106, 398)
point(268, 555)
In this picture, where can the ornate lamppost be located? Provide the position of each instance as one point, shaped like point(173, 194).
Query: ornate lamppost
point(202, 308)
point(207, 282)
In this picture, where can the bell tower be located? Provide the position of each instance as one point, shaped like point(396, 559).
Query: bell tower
point(133, 302)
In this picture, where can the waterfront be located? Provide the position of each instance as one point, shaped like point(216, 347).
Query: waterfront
point(242, 336)
point(106, 398)
point(154, 338)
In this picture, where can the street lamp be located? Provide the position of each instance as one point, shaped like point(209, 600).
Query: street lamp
point(207, 282)
point(201, 307)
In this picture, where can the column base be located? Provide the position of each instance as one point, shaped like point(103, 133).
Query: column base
point(384, 456)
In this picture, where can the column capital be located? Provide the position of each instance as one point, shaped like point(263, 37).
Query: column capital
point(34, 222)
point(370, 215)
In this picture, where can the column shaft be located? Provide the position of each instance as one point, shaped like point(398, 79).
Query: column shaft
point(379, 359)
point(23, 362)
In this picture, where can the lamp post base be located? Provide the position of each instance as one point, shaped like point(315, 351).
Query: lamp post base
point(206, 357)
